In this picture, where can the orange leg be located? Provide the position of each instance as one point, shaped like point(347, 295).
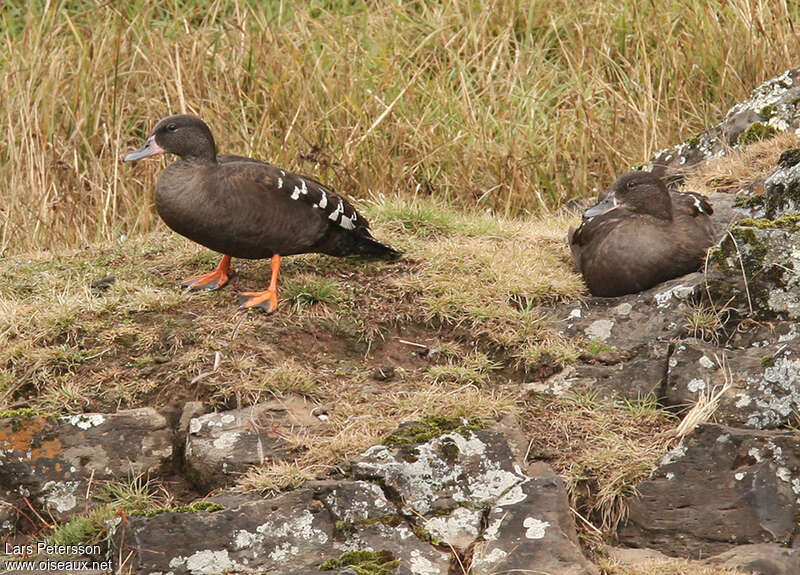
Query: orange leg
point(211, 281)
point(268, 299)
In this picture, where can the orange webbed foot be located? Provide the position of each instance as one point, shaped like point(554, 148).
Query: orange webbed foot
point(213, 280)
point(266, 300)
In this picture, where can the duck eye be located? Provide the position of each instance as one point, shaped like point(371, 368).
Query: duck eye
point(171, 127)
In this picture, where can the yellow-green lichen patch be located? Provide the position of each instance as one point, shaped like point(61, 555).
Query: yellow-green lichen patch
point(425, 535)
point(364, 562)
point(430, 427)
point(755, 132)
point(207, 506)
point(25, 412)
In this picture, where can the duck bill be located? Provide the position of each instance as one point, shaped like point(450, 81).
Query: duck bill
point(606, 205)
point(150, 148)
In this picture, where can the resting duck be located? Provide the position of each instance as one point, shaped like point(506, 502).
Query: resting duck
point(640, 235)
point(245, 208)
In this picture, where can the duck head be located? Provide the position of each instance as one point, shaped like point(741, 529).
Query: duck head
point(183, 135)
point(637, 192)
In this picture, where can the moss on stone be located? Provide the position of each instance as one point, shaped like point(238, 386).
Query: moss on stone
point(767, 361)
point(425, 535)
point(364, 562)
point(597, 346)
point(789, 158)
point(430, 427)
point(755, 132)
point(766, 112)
point(717, 257)
point(789, 222)
point(25, 412)
point(208, 506)
point(694, 141)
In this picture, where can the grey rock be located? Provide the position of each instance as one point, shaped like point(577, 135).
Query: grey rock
point(721, 488)
point(764, 381)
point(755, 269)
point(221, 446)
point(529, 523)
point(51, 460)
point(762, 559)
point(301, 529)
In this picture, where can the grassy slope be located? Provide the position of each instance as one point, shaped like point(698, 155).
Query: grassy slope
point(68, 347)
point(514, 106)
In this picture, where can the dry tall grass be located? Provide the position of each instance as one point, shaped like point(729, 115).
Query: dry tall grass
point(508, 104)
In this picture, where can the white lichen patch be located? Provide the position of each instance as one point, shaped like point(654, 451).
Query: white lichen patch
point(739, 476)
point(707, 362)
point(599, 329)
point(283, 552)
point(227, 440)
point(85, 420)
point(367, 501)
point(673, 455)
point(207, 562)
point(195, 425)
point(60, 495)
point(623, 309)
point(485, 561)
point(458, 528)
point(242, 539)
point(775, 393)
point(696, 385)
point(421, 565)
point(755, 453)
point(536, 529)
point(575, 313)
point(301, 527)
point(783, 474)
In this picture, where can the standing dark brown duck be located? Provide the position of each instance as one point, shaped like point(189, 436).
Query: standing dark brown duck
point(244, 208)
point(640, 235)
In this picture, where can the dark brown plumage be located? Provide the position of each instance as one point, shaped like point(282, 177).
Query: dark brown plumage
point(245, 208)
point(640, 235)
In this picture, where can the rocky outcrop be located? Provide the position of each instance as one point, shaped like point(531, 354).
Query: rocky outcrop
point(51, 460)
point(458, 497)
point(722, 487)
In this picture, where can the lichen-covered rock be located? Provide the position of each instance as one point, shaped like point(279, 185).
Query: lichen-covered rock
point(452, 484)
point(534, 532)
point(764, 381)
point(722, 487)
point(779, 194)
point(365, 519)
point(221, 446)
point(295, 532)
point(51, 459)
point(755, 268)
point(626, 340)
point(761, 559)
point(771, 108)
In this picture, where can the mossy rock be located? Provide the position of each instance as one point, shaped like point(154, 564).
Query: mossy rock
point(429, 427)
point(774, 202)
point(364, 562)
